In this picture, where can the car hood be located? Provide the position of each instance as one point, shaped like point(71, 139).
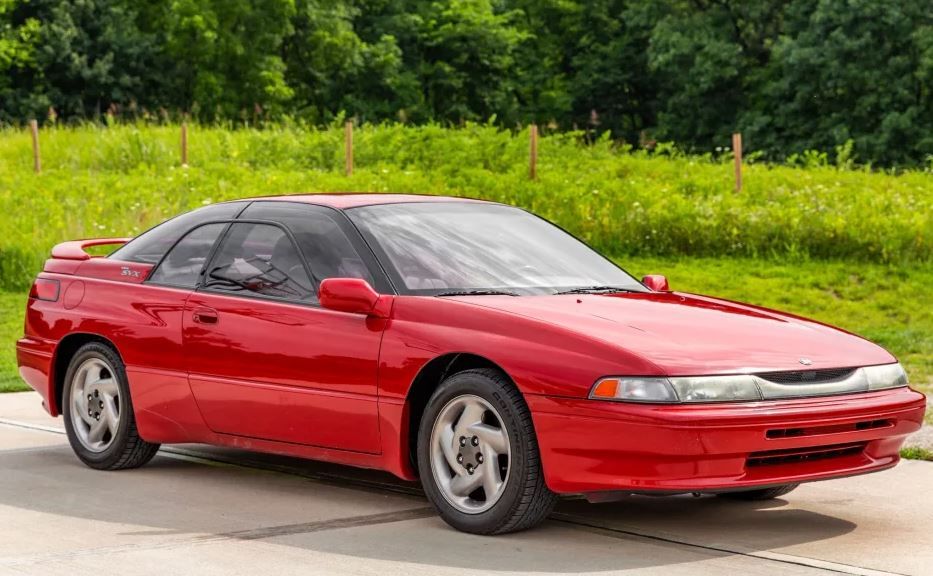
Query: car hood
point(686, 334)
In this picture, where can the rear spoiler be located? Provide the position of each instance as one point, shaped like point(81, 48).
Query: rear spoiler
point(75, 249)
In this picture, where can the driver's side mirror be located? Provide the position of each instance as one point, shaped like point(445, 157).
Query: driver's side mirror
point(656, 282)
point(353, 295)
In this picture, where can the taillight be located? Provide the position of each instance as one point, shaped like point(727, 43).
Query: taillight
point(45, 289)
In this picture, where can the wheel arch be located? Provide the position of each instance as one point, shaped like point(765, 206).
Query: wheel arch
point(64, 352)
point(426, 382)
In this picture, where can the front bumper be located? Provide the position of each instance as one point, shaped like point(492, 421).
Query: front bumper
point(590, 446)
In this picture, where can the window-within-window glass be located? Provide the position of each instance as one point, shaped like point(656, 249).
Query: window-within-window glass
point(183, 264)
point(260, 259)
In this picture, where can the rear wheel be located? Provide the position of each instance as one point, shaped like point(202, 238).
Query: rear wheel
point(760, 494)
point(98, 411)
point(478, 456)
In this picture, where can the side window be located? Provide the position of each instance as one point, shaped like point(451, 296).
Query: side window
point(150, 246)
point(260, 259)
point(182, 265)
point(329, 252)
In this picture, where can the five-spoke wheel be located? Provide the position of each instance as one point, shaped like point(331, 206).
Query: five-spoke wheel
point(95, 396)
point(470, 459)
point(98, 411)
point(478, 455)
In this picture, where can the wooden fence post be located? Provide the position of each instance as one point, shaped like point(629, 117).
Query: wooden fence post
point(737, 156)
point(533, 152)
point(184, 144)
point(348, 146)
point(36, 159)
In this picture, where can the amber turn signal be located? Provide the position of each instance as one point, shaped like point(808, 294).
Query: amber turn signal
point(606, 388)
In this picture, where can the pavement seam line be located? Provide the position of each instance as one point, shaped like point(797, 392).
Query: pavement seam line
point(829, 566)
point(30, 426)
point(180, 453)
point(250, 534)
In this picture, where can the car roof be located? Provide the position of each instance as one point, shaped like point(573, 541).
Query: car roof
point(354, 199)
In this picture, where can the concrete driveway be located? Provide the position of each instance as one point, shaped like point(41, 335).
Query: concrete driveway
point(202, 510)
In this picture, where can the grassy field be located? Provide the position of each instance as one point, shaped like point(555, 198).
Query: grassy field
point(12, 307)
point(891, 306)
point(848, 247)
point(120, 180)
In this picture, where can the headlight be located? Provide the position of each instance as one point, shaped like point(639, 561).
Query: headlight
point(716, 389)
point(886, 376)
point(741, 388)
point(671, 390)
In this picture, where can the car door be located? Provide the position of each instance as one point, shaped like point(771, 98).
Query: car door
point(264, 359)
point(152, 347)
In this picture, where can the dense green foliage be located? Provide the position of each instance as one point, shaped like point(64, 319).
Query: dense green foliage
point(12, 310)
point(917, 453)
point(849, 247)
point(120, 180)
point(893, 307)
point(853, 78)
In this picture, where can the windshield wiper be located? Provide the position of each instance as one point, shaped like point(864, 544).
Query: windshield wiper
point(477, 293)
point(596, 290)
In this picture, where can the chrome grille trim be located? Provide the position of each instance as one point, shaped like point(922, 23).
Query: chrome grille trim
point(807, 376)
point(855, 381)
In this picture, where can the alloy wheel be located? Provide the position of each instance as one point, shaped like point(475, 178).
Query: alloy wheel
point(470, 454)
point(95, 403)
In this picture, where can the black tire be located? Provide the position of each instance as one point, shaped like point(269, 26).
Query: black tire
point(126, 449)
point(526, 500)
point(760, 494)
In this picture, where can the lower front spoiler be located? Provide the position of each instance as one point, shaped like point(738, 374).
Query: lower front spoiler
point(603, 496)
point(592, 446)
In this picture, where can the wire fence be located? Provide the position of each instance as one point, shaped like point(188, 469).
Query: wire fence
point(348, 151)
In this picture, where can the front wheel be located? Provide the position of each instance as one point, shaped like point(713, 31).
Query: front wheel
point(760, 494)
point(98, 411)
point(478, 456)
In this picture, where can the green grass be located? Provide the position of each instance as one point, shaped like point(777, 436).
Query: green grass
point(852, 248)
point(892, 306)
point(12, 307)
point(917, 453)
point(120, 180)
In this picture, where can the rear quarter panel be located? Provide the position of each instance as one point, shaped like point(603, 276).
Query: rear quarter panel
point(142, 321)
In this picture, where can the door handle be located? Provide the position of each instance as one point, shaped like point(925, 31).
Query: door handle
point(204, 316)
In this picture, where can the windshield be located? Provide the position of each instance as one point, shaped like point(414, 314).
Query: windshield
point(436, 248)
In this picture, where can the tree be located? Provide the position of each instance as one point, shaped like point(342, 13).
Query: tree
point(19, 37)
point(225, 57)
point(80, 56)
point(855, 70)
point(612, 86)
point(705, 56)
point(790, 74)
point(333, 70)
point(466, 60)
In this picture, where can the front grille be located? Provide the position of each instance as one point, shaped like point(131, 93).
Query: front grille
point(807, 376)
point(798, 455)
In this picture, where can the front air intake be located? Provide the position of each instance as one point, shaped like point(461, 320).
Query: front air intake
point(800, 455)
point(828, 429)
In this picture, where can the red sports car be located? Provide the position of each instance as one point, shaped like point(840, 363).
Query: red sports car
point(470, 344)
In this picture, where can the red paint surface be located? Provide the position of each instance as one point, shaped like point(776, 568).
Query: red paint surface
point(75, 249)
point(328, 384)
